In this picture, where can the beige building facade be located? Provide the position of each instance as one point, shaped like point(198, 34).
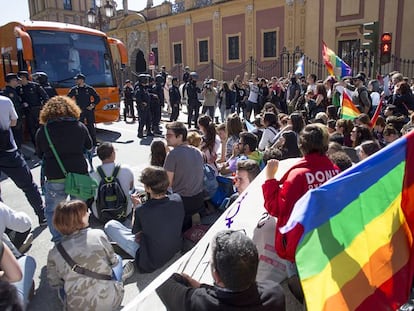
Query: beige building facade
point(224, 38)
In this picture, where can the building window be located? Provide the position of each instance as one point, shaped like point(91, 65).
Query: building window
point(67, 4)
point(269, 44)
point(155, 51)
point(203, 51)
point(178, 58)
point(233, 47)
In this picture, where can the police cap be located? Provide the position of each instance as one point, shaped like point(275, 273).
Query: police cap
point(23, 73)
point(11, 76)
point(79, 76)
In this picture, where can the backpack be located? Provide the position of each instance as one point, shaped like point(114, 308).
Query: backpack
point(210, 183)
point(111, 201)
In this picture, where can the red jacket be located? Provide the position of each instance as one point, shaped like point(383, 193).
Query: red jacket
point(280, 196)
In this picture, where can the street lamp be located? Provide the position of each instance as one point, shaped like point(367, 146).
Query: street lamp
point(96, 18)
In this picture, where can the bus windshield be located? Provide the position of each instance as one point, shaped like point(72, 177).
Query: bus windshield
point(62, 55)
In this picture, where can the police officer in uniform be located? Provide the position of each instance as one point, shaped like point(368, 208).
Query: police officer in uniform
point(175, 100)
point(193, 102)
point(33, 97)
point(156, 105)
point(11, 91)
point(186, 75)
point(128, 100)
point(83, 94)
point(42, 78)
point(143, 100)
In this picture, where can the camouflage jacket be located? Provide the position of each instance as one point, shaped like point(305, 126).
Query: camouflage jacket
point(91, 249)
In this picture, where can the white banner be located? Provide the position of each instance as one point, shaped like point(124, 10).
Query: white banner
point(246, 213)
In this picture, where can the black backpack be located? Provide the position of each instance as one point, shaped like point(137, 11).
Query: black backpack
point(111, 201)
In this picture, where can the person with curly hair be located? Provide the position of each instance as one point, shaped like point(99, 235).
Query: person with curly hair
point(71, 138)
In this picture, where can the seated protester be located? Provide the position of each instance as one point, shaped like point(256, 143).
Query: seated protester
point(106, 153)
point(288, 145)
point(159, 150)
point(9, 300)
point(247, 171)
point(272, 153)
point(258, 127)
point(271, 125)
point(17, 226)
point(281, 195)
point(234, 268)
point(367, 148)
point(100, 286)
point(341, 160)
point(156, 230)
point(19, 272)
point(403, 99)
point(245, 149)
point(390, 134)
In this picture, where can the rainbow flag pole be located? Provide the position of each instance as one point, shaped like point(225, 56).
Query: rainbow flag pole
point(357, 249)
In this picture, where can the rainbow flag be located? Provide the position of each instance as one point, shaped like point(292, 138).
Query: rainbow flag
point(376, 113)
point(334, 64)
point(349, 110)
point(356, 251)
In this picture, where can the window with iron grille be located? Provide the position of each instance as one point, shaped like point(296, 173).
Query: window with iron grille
point(203, 51)
point(269, 44)
point(234, 47)
point(178, 59)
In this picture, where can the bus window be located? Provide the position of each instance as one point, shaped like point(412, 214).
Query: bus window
point(63, 54)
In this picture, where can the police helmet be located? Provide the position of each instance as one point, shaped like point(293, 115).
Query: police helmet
point(40, 77)
point(142, 78)
point(194, 75)
point(159, 79)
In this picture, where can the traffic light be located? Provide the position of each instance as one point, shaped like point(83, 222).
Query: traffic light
point(385, 48)
point(371, 36)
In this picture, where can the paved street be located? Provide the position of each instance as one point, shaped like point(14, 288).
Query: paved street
point(130, 150)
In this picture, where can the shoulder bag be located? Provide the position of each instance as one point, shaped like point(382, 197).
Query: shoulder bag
point(78, 269)
point(78, 185)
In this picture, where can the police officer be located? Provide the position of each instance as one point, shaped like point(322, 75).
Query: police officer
point(128, 91)
point(186, 75)
point(10, 91)
point(193, 102)
point(42, 78)
point(33, 96)
point(164, 75)
point(143, 100)
point(175, 100)
point(157, 104)
point(83, 94)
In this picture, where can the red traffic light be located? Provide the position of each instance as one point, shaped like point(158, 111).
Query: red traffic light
point(386, 37)
point(385, 48)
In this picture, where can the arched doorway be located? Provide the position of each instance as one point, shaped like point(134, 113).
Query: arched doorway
point(140, 63)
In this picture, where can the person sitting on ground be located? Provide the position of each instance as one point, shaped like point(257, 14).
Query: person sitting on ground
point(222, 134)
point(247, 171)
point(281, 195)
point(245, 149)
point(288, 145)
point(368, 148)
point(390, 134)
point(188, 183)
point(106, 153)
point(341, 160)
point(159, 150)
point(156, 230)
point(271, 125)
point(234, 127)
point(100, 286)
point(19, 272)
point(234, 268)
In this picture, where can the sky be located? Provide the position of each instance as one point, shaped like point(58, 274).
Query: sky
point(19, 11)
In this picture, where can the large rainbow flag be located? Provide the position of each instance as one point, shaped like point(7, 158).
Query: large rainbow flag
point(349, 111)
point(356, 252)
point(334, 64)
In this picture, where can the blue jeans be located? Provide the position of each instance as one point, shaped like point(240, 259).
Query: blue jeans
point(54, 194)
point(122, 235)
point(28, 266)
point(14, 166)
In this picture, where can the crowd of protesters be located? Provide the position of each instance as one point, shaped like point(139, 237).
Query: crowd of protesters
point(244, 124)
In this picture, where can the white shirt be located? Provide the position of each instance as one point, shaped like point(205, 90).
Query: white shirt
point(74, 60)
point(267, 138)
point(254, 93)
point(13, 220)
point(125, 177)
point(7, 114)
point(375, 99)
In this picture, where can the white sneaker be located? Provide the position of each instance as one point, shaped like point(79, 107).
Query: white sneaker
point(128, 270)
